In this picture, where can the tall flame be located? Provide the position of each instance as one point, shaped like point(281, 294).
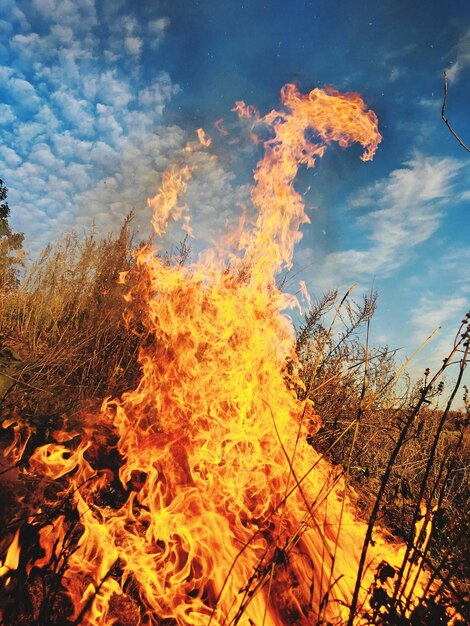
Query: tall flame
point(229, 516)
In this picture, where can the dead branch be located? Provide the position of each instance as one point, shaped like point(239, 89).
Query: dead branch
point(444, 118)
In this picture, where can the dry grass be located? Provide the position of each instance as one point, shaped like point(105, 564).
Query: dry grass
point(66, 322)
point(409, 446)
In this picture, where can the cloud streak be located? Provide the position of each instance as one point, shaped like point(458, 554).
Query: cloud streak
point(396, 215)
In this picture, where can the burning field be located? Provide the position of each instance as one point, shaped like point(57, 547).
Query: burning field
point(197, 498)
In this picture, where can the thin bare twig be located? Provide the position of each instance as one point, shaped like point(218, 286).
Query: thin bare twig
point(388, 470)
point(444, 118)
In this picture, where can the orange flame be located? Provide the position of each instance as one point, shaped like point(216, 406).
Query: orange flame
point(219, 125)
point(21, 435)
point(230, 516)
point(334, 117)
point(164, 203)
point(12, 557)
point(204, 140)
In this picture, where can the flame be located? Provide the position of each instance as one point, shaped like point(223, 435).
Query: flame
point(230, 517)
point(219, 125)
point(334, 117)
point(21, 435)
point(12, 557)
point(163, 204)
point(204, 140)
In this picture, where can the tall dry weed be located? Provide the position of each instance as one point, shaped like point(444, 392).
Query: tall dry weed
point(66, 321)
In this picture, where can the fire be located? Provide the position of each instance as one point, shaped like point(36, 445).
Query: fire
point(204, 140)
point(12, 557)
point(228, 516)
point(219, 125)
point(164, 204)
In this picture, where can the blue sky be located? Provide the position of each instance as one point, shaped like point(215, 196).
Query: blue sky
point(98, 97)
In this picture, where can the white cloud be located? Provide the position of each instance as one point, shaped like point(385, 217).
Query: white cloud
point(397, 73)
point(23, 92)
point(157, 93)
point(159, 26)
point(9, 156)
point(462, 58)
point(401, 211)
point(74, 111)
point(14, 15)
point(25, 133)
point(129, 24)
point(422, 179)
point(6, 74)
point(396, 215)
point(46, 116)
point(42, 155)
point(214, 198)
point(454, 266)
point(81, 135)
point(157, 29)
point(54, 57)
point(31, 47)
point(62, 33)
point(79, 14)
point(126, 37)
point(434, 104)
point(18, 88)
point(5, 28)
point(107, 124)
point(111, 90)
point(6, 114)
point(134, 45)
point(437, 310)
